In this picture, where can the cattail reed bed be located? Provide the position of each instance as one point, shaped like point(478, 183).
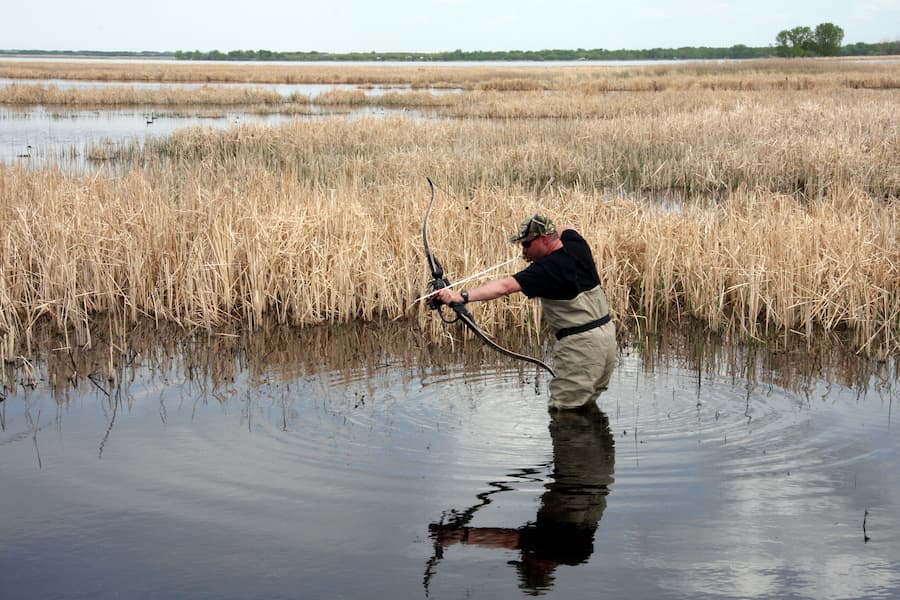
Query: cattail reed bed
point(51, 95)
point(781, 214)
point(236, 243)
point(741, 75)
point(707, 144)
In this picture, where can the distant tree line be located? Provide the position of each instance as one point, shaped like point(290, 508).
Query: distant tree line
point(739, 51)
point(795, 44)
point(824, 40)
point(90, 53)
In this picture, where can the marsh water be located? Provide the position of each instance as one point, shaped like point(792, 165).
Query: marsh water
point(73, 137)
point(362, 462)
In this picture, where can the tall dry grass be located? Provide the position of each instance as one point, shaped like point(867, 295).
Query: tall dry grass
point(240, 243)
point(555, 90)
point(695, 141)
point(755, 213)
point(773, 74)
point(692, 144)
point(206, 95)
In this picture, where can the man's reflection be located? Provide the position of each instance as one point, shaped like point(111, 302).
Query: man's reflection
point(570, 509)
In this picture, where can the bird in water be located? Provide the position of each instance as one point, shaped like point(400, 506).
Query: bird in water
point(27, 153)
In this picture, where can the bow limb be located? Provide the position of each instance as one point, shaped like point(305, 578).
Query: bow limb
point(462, 314)
point(466, 317)
point(437, 271)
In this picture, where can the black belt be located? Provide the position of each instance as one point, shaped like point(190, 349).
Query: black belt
point(567, 331)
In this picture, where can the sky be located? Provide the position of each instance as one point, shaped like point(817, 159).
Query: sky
point(428, 25)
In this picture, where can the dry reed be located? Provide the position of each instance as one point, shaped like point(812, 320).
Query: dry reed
point(217, 248)
point(781, 214)
point(17, 94)
point(740, 75)
point(707, 144)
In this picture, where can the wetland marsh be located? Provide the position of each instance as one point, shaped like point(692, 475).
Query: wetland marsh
point(216, 382)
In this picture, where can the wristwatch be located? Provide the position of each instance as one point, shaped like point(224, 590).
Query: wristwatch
point(465, 296)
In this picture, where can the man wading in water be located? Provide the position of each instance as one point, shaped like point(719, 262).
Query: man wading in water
point(564, 276)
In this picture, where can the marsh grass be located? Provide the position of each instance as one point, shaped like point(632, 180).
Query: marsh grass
point(720, 75)
point(706, 144)
point(259, 246)
point(780, 213)
point(51, 95)
point(559, 82)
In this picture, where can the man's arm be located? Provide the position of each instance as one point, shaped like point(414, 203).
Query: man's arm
point(488, 291)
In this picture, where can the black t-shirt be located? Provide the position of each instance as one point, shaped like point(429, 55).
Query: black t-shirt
point(563, 274)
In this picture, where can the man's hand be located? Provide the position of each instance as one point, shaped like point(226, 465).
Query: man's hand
point(449, 296)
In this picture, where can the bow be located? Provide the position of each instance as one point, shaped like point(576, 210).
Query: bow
point(462, 314)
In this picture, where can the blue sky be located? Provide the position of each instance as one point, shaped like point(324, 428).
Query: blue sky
point(429, 25)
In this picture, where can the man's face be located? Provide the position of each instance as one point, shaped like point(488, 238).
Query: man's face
point(534, 248)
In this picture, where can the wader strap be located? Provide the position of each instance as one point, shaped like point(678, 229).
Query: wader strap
point(567, 331)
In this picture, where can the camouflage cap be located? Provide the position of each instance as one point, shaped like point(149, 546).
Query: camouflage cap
point(534, 226)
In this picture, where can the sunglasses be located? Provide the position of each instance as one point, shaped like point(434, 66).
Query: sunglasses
point(527, 243)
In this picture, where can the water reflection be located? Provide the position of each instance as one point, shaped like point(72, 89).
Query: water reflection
point(154, 462)
point(362, 352)
point(570, 509)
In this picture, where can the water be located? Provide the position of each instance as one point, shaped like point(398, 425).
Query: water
point(351, 463)
point(39, 136)
point(285, 90)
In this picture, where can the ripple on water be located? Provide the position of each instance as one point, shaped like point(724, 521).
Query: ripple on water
point(328, 467)
point(674, 427)
point(324, 436)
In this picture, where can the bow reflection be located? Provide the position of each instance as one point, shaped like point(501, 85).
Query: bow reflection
point(563, 530)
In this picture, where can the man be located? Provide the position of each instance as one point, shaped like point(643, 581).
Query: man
point(564, 276)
